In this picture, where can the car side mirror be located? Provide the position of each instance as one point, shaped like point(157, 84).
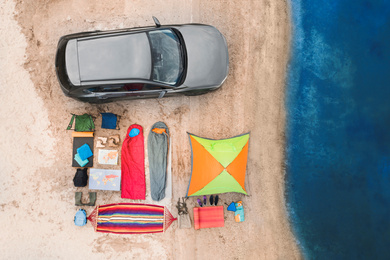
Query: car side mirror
point(156, 21)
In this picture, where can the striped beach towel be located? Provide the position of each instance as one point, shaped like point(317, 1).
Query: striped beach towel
point(131, 218)
point(208, 217)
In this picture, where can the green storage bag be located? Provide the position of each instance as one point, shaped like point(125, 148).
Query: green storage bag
point(83, 123)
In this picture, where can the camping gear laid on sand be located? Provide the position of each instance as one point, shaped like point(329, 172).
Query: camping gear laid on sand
point(84, 152)
point(80, 179)
point(183, 216)
point(218, 166)
point(80, 218)
point(131, 218)
point(82, 134)
point(78, 199)
point(239, 214)
point(214, 201)
point(158, 143)
point(109, 121)
point(133, 164)
point(113, 141)
point(81, 162)
point(108, 157)
point(101, 179)
point(101, 142)
point(238, 210)
point(231, 207)
point(80, 139)
point(208, 217)
point(83, 123)
point(82, 155)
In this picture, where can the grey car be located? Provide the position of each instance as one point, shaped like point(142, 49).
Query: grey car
point(145, 62)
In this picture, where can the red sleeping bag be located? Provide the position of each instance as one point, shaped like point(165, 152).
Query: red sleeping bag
point(133, 165)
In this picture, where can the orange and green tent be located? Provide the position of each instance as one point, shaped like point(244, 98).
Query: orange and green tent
point(218, 166)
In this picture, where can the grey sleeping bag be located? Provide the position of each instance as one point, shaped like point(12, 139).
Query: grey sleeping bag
point(158, 142)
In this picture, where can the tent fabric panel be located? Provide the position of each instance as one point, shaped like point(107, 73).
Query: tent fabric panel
point(223, 183)
point(204, 167)
point(238, 167)
point(224, 150)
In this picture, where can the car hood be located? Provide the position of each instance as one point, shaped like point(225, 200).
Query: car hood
point(207, 56)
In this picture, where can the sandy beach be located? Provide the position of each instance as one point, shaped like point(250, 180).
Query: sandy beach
point(36, 188)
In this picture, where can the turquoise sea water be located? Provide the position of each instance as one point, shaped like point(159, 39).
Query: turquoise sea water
point(338, 129)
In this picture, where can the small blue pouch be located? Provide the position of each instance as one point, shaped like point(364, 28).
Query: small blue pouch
point(109, 120)
point(82, 163)
point(84, 152)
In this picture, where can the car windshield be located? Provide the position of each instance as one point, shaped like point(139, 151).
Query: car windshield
point(166, 56)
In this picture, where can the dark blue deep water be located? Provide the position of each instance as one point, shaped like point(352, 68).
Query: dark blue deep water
point(338, 129)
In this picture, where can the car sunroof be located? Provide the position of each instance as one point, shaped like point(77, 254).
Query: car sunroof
point(116, 57)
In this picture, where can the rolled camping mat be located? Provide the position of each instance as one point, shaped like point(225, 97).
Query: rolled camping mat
point(133, 166)
point(82, 134)
point(158, 142)
point(131, 218)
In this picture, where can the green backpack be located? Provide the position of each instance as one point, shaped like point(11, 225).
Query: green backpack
point(83, 123)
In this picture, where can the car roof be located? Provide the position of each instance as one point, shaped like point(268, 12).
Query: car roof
point(111, 57)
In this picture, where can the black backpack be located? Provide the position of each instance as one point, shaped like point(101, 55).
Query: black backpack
point(81, 178)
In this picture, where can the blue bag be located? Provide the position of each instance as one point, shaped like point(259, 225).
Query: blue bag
point(80, 219)
point(109, 121)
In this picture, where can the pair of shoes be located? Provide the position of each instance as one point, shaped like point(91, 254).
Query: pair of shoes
point(101, 142)
point(78, 201)
point(214, 201)
point(113, 141)
point(200, 203)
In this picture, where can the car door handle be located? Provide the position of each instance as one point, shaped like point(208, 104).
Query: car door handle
point(162, 93)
